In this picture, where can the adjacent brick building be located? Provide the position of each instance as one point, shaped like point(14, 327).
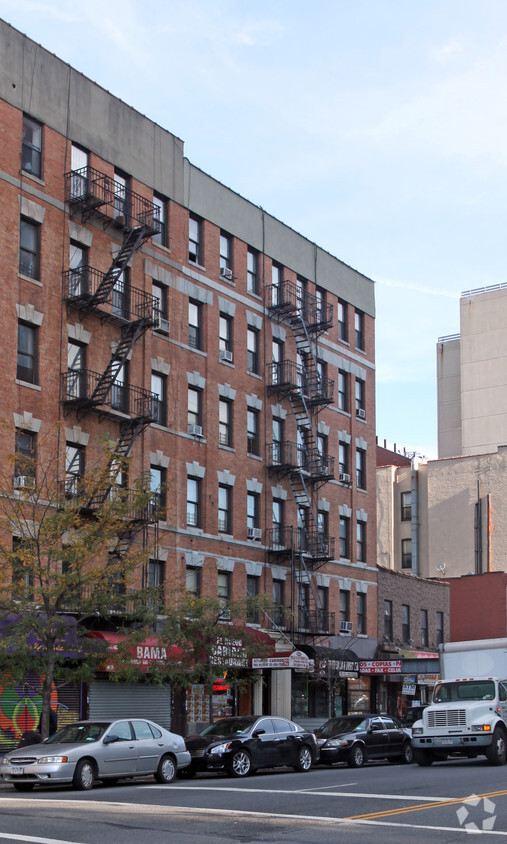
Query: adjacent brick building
point(225, 353)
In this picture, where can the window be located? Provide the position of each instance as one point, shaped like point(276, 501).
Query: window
point(194, 502)
point(76, 370)
point(226, 256)
point(252, 432)
point(224, 588)
point(119, 389)
point(322, 448)
point(158, 387)
point(405, 624)
point(360, 468)
point(322, 609)
point(359, 330)
point(194, 324)
point(157, 490)
point(74, 468)
point(303, 606)
point(278, 613)
point(344, 605)
point(194, 412)
point(276, 283)
point(225, 338)
point(343, 459)
point(156, 576)
point(278, 513)
point(27, 364)
point(276, 367)
point(225, 423)
point(424, 628)
point(193, 580)
point(361, 541)
point(361, 613)
point(343, 333)
point(29, 248)
point(343, 391)
point(277, 447)
point(252, 345)
point(159, 293)
point(322, 523)
point(301, 288)
point(78, 266)
point(388, 620)
point(252, 513)
point(31, 148)
point(79, 168)
point(252, 592)
point(121, 295)
point(224, 509)
point(440, 627)
point(406, 553)
point(121, 197)
point(406, 506)
point(116, 578)
point(160, 203)
point(24, 459)
point(360, 394)
point(320, 305)
point(344, 538)
point(252, 281)
point(195, 240)
point(22, 577)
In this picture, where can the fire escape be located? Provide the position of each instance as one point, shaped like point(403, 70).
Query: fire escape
point(92, 194)
point(307, 467)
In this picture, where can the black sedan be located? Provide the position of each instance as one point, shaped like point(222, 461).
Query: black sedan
point(240, 745)
point(356, 738)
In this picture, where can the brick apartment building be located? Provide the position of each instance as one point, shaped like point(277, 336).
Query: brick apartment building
point(226, 354)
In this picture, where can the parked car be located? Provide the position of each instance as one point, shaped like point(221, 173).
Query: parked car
point(86, 751)
point(415, 713)
point(240, 745)
point(355, 739)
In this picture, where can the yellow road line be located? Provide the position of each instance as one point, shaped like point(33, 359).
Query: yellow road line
point(420, 806)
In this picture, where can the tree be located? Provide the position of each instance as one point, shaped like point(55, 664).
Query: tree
point(67, 555)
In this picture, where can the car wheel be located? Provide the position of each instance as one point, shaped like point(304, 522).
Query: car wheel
point(186, 773)
point(240, 764)
point(357, 756)
point(424, 758)
point(407, 754)
point(304, 760)
point(166, 770)
point(23, 786)
point(497, 751)
point(84, 775)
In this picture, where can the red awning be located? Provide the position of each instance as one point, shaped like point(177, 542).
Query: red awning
point(148, 654)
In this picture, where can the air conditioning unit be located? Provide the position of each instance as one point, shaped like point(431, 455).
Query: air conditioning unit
point(253, 533)
point(225, 354)
point(23, 482)
point(344, 478)
point(195, 430)
point(345, 627)
point(226, 273)
point(225, 615)
point(361, 413)
point(161, 324)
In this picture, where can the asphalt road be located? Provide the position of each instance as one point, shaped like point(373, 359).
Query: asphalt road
point(385, 803)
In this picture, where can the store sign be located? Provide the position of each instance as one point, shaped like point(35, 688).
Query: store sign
point(297, 659)
point(342, 667)
point(408, 689)
point(428, 679)
point(380, 666)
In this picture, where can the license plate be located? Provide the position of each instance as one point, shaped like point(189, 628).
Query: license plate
point(16, 771)
point(445, 741)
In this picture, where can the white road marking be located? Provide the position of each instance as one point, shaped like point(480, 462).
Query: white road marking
point(409, 797)
point(13, 837)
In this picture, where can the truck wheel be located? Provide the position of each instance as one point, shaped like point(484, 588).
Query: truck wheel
point(424, 758)
point(497, 751)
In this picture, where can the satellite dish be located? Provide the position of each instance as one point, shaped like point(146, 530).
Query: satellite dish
point(441, 568)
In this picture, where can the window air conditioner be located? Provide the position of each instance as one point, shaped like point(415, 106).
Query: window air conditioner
point(195, 430)
point(225, 615)
point(23, 481)
point(344, 478)
point(225, 354)
point(361, 413)
point(161, 324)
point(253, 533)
point(226, 273)
point(345, 627)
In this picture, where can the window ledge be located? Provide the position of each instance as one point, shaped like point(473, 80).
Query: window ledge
point(196, 265)
point(254, 456)
point(254, 375)
point(27, 384)
point(26, 175)
point(31, 280)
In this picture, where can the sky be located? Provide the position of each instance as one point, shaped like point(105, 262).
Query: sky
point(376, 128)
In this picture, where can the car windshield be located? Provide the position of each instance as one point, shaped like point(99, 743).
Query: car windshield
point(342, 725)
point(229, 727)
point(464, 690)
point(78, 733)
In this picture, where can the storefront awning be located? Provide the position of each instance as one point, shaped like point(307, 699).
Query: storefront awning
point(334, 662)
point(149, 654)
point(286, 659)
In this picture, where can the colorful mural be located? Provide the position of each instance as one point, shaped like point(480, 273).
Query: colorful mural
point(21, 706)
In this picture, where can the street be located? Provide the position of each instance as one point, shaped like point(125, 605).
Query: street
point(391, 803)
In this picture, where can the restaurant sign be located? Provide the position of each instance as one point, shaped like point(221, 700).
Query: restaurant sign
point(297, 659)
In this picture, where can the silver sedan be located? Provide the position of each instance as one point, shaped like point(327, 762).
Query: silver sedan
point(106, 749)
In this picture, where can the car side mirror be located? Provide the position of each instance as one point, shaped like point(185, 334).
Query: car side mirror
point(110, 739)
point(258, 733)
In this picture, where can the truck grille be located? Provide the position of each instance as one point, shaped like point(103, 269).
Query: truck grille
point(446, 717)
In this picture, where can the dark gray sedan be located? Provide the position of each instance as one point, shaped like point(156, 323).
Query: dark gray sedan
point(86, 751)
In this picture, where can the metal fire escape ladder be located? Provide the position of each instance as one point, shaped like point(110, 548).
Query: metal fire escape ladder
point(130, 336)
point(133, 241)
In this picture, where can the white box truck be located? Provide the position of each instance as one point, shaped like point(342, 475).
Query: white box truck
point(468, 712)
